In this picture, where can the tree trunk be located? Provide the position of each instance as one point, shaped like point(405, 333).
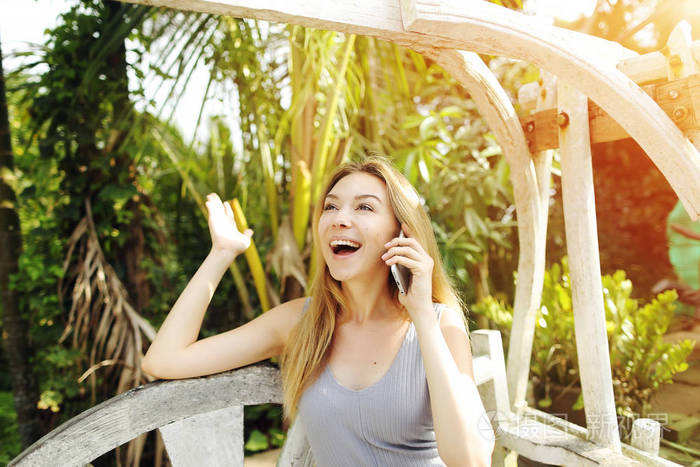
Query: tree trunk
point(133, 251)
point(15, 328)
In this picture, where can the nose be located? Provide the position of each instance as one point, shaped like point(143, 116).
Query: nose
point(341, 219)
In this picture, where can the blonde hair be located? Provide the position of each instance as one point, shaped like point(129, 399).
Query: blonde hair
point(307, 349)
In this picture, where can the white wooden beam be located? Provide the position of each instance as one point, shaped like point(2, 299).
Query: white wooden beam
point(584, 265)
point(652, 66)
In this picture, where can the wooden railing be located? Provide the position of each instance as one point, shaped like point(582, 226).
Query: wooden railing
point(201, 422)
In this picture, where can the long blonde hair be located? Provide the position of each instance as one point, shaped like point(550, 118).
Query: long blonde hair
point(307, 349)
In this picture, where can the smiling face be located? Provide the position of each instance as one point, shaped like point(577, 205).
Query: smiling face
point(356, 221)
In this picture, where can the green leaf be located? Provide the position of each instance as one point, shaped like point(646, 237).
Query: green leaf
point(257, 442)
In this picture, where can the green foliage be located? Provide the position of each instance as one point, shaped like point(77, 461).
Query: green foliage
point(263, 427)
point(641, 361)
point(9, 438)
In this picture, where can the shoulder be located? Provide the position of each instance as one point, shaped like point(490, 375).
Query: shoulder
point(450, 316)
point(286, 315)
point(453, 325)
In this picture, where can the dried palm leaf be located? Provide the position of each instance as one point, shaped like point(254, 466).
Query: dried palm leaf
point(285, 257)
point(103, 323)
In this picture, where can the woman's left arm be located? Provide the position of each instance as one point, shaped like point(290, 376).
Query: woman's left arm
point(462, 429)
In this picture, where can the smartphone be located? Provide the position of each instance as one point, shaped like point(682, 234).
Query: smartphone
point(401, 274)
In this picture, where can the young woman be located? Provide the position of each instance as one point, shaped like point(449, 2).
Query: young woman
point(376, 377)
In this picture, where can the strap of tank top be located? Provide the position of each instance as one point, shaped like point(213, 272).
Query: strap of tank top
point(306, 305)
point(439, 307)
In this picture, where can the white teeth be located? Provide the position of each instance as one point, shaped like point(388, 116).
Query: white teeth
point(335, 243)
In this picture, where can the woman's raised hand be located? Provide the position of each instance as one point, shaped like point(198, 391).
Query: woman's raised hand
point(225, 237)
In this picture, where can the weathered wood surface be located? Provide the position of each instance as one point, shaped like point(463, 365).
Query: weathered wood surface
point(679, 99)
point(544, 443)
point(487, 348)
point(584, 265)
point(216, 436)
point(646, 435)
point(572, 58)
point(652, 66)
point(564, 426)
point(523, 328)
point(122, 418)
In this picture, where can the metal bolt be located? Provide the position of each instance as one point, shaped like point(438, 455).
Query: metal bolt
point(673, 94)
point(530, 127)
point(679, 113)
point(563, 119)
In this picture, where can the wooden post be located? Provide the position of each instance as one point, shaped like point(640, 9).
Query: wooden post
point(216, 436)
point(523, 328)
point(646, 435)
point(584, 264)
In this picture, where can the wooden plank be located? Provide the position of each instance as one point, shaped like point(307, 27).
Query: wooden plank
point(570, 57)
point(651, 67)
point(488, 351)
point(584, 264)
point(541, 130)
point(632, 452)
point(490, 374)
point(678, 99)
point(213, 438)
point(483, 369)
point(544, 443)
point(145, 408)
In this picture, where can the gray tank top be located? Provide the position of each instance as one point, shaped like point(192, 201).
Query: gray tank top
point(386, 424)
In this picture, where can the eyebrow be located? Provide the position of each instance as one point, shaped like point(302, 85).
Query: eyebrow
point(331, 195)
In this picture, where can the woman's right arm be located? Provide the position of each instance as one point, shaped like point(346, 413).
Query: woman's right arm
point(176, 352)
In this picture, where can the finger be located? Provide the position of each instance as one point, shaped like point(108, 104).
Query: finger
point(402, 260)
point(227, 208)
point(411, 242)
point(402, 251)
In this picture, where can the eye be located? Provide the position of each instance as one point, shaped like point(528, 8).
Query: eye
point(366, 207)
point(328, 207)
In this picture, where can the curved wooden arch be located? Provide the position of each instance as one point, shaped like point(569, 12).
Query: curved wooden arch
point(114, 422)
point(531, 193)
point(573, 58)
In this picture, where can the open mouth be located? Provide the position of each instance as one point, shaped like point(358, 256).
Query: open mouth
point(344, 247)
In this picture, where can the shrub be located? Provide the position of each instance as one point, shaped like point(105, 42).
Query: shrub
point(640, 359)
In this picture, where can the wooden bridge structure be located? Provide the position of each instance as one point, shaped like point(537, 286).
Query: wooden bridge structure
point(592, 90)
